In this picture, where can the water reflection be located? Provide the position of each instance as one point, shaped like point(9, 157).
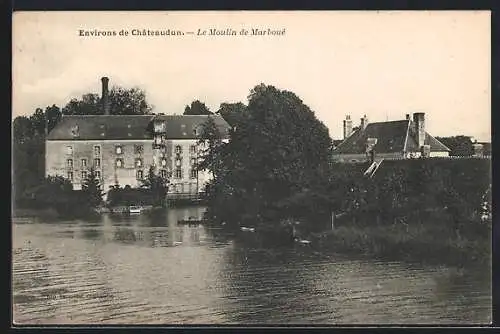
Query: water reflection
point(142, 269)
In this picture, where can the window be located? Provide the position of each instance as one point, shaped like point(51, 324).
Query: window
point(119, 163)
point(194, 173)
point(69, 163)
point(163, 173)
point(70, 176)
point(118, 149)
point(138, 149)
point(178, 173)
point(138, 163)
point(193, 161)
point(178, 149)
point(97, 150)
point(69, 149)
point(84, 162)
point(98, 174)
point(84, 174)
point(97, 162)
point(178, 162)
point(164, 162)
point(192, 149)
point(139, 174)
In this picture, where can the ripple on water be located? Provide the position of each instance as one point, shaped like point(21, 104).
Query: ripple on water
point(81, 273)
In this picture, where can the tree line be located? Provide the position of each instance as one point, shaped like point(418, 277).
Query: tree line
point(276, 168)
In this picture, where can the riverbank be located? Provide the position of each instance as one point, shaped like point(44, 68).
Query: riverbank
point(411, 243)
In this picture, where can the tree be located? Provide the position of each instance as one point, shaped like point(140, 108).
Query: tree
point(122, 101)
point(22, 129)
point(231, 112)
point(157, 185)
point(278, 149)
point(91, 189)
point(197, 108)
point(210, 147)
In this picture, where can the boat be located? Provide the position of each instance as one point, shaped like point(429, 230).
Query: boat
point(191, 220)
point(248, 229)
point(135, 210)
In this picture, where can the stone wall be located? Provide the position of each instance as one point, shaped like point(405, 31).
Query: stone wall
point(58, 153)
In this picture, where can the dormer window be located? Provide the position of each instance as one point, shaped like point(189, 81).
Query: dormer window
point(159, 127)
point(178, 149)
point(69, 150)
point(97, 150)
point(119, 163)
point(118, 149)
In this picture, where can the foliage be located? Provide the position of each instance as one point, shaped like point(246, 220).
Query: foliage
point(157, 186)
point(277, 150)
point(197, 108)
point(129, 196)
point(210, 147)
point(122, 101)
point(232, 112)
point(91, 189)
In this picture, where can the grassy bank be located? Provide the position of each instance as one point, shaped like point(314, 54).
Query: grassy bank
point(424, 243)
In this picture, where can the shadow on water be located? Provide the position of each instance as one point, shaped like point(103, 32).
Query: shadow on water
point(144, 269)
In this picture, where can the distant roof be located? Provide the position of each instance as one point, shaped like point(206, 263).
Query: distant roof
point(122, 127)
point(392, 137)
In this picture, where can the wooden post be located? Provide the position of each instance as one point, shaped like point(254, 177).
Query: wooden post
point(333, 219)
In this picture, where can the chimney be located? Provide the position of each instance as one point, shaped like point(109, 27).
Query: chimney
point(347, 126)
point(364, 123)
point(419, 123)
point(105, 95)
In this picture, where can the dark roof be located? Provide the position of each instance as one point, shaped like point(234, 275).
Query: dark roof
point(392, 137)
point(120, 127)
point(184, 126)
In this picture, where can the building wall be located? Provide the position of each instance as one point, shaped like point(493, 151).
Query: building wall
point(187, 182)
point(102, 155)
point(439, 154)
point(361, 157)
point(389, 156)
point(58, 153)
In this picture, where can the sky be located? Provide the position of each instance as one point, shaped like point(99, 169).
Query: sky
point(382, 64)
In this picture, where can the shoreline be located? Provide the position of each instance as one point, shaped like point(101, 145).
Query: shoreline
point(412, 244)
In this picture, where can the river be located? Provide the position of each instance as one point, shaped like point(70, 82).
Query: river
point(134, 270)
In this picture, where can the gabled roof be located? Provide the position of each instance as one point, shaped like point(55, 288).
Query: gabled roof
point(122, 127)
point(392, 137)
